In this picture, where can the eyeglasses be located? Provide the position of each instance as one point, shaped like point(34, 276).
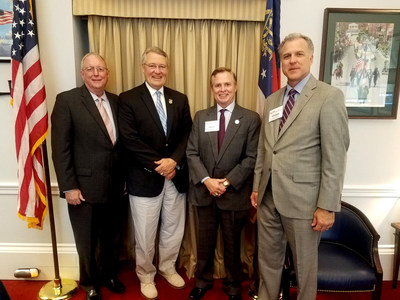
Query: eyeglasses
point(154, 66)
point(99, 69)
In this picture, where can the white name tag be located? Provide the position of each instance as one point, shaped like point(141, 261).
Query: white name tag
point(275, 113)
point(212, 126)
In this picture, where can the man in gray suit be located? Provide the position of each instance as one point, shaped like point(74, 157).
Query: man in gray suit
point(221, 154)
point(299, 171)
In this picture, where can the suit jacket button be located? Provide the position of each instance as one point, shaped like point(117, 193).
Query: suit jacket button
point(274, 152)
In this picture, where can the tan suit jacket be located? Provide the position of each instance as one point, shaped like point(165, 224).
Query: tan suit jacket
point(306, 160)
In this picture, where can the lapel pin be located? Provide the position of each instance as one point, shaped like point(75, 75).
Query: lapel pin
point(170, 101)
point(237, 122)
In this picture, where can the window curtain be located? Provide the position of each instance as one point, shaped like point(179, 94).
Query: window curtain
point(195, 48)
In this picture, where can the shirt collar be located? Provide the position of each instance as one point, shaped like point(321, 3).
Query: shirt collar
point(153, 91)
point(300, 86)
point(95, 97)
point(229, 108)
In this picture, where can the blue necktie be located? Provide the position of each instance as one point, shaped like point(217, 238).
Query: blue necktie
point(161, 112)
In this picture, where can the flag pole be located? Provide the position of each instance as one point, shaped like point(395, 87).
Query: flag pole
point(58, 288)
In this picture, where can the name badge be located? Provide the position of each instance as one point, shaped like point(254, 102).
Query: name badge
point(275, 113)
point(212, 126)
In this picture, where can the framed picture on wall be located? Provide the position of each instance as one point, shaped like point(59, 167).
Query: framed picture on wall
point(6, 16)
point(360, 56)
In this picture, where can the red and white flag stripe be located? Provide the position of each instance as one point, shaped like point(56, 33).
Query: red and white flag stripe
point(31, 127)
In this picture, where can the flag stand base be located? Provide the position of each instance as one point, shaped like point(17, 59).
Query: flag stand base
point(58, 289)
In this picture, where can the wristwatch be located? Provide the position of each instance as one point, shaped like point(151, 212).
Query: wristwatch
point(226, 183)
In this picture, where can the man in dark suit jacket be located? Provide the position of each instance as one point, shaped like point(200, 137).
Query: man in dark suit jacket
point(85, 156)
point(155, 124)
point(221, 154)
point(299, 173)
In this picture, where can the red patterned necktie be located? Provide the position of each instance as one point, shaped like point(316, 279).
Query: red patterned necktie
point(221, 132)
point(106, 119)
point(288, 108)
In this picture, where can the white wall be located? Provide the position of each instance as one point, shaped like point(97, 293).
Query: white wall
point(21, 247)
point(372, 181)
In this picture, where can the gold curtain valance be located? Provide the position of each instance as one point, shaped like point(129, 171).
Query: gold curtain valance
point(239, 10)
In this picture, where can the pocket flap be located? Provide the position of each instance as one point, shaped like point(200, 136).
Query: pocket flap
point(306, 177)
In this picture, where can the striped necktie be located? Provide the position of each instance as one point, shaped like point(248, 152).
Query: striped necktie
point(288, 108)
point(161, 112)
point(106, 119)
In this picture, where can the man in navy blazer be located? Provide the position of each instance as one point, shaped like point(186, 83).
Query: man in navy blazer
point(221, 154)
point(155, 124)
point(86, 161)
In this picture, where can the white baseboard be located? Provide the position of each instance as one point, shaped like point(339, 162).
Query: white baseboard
point(40, 256)
point(14, 256)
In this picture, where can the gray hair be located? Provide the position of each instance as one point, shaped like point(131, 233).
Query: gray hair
point(156, 50)
point(295, 36)
point(94, 54)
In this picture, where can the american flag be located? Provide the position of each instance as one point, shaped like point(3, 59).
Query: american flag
point(269, 79)
point(31, 122)
point(5, 17)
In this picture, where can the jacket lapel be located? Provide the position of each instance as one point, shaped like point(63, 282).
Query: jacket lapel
point(148, 101)
point(277, 101)
point(213, 136)
point(301, 101)
point(113, 106)
point(169, 105)
point(90, 105)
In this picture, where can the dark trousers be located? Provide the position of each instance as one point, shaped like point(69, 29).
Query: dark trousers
point(231, 222)
point(97, 233)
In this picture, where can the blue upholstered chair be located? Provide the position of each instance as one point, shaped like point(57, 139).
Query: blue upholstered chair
point(348, 259)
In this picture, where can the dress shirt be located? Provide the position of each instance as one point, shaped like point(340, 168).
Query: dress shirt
point(154, 96)
point(299, 87)
point(227, 114)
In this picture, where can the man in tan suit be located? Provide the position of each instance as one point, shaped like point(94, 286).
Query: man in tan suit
point(299, 170)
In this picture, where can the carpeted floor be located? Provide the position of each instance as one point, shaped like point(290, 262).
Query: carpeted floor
point(29, 290)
